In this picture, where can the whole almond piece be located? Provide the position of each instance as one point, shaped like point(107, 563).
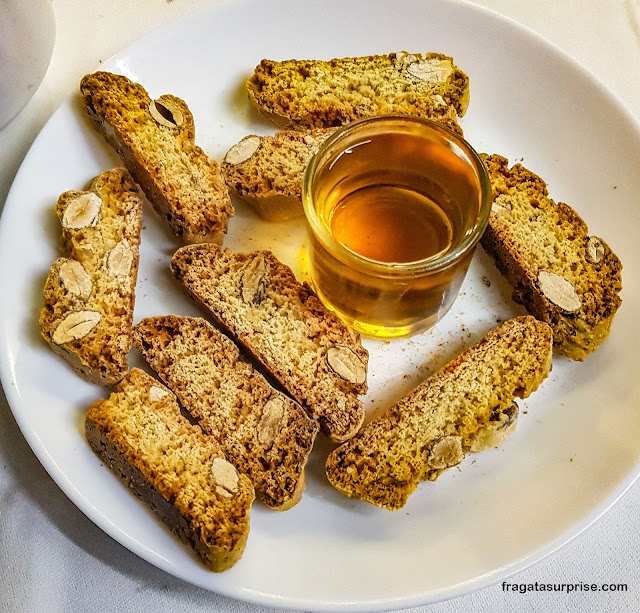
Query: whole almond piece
point(120, 259)
point(75, 326)
point(243, 150)
point(75, 279)
point(431, 71)
point(559, 291)
point(269, 424)
point(253, 281)
point(166, 113)
point(497, 431)
point(156, 393)
point(445, 453)
point(346, 364)
point(595, 250)
point(225, 477)
point(81, 212)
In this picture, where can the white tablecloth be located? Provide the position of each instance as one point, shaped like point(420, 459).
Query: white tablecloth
point(52, 558)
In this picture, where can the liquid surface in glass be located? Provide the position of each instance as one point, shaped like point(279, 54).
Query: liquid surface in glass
point(390, 223)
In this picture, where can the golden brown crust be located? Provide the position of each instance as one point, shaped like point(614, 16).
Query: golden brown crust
point(266, 435)
point(384, 463)
point(530, 235)
point(320, 94)
point(270, 179)
point(156, 144)
point(283, 325)
point(89, 294)
point(141, 435)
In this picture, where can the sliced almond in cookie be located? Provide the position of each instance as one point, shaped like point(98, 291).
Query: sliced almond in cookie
point(75, 279)
point(595, 250)
point(445, 453)
point(253, 281)
point(243, 150)
point(166, 113)
point(431, 71)
point(346, 364)
point(270, 421)
point(497, 430)
point(559, 291)
point(225, 477)
point(82, 212)
point(120, 259)
point(156, 393)
point(75, 326)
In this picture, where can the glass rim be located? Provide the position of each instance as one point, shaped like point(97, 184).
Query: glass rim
point(425, 265)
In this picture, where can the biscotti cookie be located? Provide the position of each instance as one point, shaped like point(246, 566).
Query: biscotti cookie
point(466, 406)
point(558, 271)
point(304, 347)
point(174, 467)
point(263, 433)
point(321, 94)
point(89, 294)
point(156, 142)
point(266, 171)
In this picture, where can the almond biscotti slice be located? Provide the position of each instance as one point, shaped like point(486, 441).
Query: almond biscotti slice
point(263, 433)
point(321, 94)
point(466, 406)
point(156, 142)
point(174, 467)
point(89, 294)
point(266, 171)
point(558, 271)
point(304, 348)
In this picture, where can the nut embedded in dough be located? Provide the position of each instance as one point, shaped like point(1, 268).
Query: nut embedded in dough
point(253, 281)
point(82, 211)
point(225, 477)
point(75, 278)
point(559, 291)
point(156, 393)
point(166, 113)
point(346, 364)
point(445, 453)
point(595, 250)
point(120, 259)
point(269, 424)
point(243, 150)
point(75, 326)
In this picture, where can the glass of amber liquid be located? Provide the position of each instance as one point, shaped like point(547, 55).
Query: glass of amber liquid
point(395, 208)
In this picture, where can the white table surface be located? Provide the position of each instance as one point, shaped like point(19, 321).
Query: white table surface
point(52, 558)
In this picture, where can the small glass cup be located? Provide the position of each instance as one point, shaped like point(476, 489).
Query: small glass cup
point(395, 208)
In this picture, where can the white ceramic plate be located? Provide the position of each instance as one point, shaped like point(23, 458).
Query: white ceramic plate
point(577, 445)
